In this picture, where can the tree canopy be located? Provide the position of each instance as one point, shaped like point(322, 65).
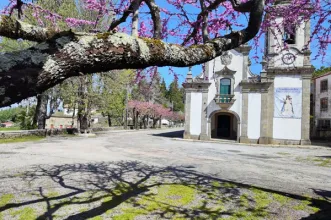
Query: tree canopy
point(136, 34)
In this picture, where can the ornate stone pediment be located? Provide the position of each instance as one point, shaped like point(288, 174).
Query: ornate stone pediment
point(226, 72)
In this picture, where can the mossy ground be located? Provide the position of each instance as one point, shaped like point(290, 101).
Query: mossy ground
point(170, 201)
point(21, 139)
point(318, 161)
point(99, 193)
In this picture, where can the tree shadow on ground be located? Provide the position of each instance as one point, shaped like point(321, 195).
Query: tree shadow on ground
point(140, 189)
point(172, 134)
point(325, 209)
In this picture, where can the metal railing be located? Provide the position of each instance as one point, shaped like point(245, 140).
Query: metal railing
point(224, 98)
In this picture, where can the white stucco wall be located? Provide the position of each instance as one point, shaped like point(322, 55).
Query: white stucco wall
point(254, 115)
point(319, 96)
point(195, 114)
point(287, 128)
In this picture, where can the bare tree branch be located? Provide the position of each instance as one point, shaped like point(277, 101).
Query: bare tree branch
point(15, 29)
point(205, 34)
point(155, 12)
point(204, 12)
point(135, 19)
point(125, 15)
point(203, 15)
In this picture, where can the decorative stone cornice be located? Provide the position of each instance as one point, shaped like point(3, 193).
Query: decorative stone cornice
point(249, 87)
point(291, 71)
point(197, 86)
point(305, 52)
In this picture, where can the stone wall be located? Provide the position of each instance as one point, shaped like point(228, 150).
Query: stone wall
point(16, 134)
point(49, 132)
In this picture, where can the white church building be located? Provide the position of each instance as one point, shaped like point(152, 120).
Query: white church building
point(227, 101)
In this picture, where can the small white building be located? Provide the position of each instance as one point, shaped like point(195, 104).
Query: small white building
point(227, 101)
point(321, 87)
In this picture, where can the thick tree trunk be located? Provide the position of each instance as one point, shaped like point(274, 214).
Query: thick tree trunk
point(137, 118)
point(134, 118)
point(83, 110)
point(154, 122)
point(109, 120)
point(160, 122)
point(41, 111)
point(144, 122)
point(73, 117)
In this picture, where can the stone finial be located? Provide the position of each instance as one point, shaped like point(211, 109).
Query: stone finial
point(189, 77)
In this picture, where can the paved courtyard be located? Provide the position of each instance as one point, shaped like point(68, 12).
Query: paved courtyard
point(57, 169)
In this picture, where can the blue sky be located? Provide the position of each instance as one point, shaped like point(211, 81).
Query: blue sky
point(256, 67)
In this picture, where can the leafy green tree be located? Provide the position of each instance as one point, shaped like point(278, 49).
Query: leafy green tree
point(321, 71)
point(176, 96)
point(26, 118)
point(163, 89)
point(114, 89)
point(10, 114)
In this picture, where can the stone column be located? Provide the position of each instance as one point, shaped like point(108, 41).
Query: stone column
point(204, 133)
point(245, 64)
point(264, 138)
point(305, 120)
point(187, 134)
point(244, 117)
point(271, 104)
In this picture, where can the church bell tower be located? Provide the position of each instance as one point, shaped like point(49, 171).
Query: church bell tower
point(286, 65)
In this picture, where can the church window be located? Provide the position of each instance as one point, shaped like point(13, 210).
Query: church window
point(324, 85)
point(225, 91)
point(324, 104)
point(324, 124)
point(289, 35)
point(225, 88)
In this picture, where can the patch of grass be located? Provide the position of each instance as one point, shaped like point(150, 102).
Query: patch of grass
point(175, 195)
point(164, 199)
point(306, 206)
point(130, 214)
point(323, 162)
point(283, 153)
point(5, 199)
point(281, 199)
point(83, 209)
point(10, 129)
point(262, 199)
point(21, 139)
point(244, 200)
point(96, 218)
point(25, 214)
point(216, 184)
point(303, 205)
point(52, 194)
point(228, 185)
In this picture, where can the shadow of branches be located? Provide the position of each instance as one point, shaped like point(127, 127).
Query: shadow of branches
point(103, 187)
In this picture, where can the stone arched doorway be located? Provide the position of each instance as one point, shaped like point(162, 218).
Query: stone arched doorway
point(224, 125)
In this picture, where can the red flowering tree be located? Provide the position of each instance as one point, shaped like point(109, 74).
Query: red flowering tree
point(173, 33)
point(147, 110)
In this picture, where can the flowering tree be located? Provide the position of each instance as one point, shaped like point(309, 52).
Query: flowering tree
point(148, 110)
point(173, 33)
